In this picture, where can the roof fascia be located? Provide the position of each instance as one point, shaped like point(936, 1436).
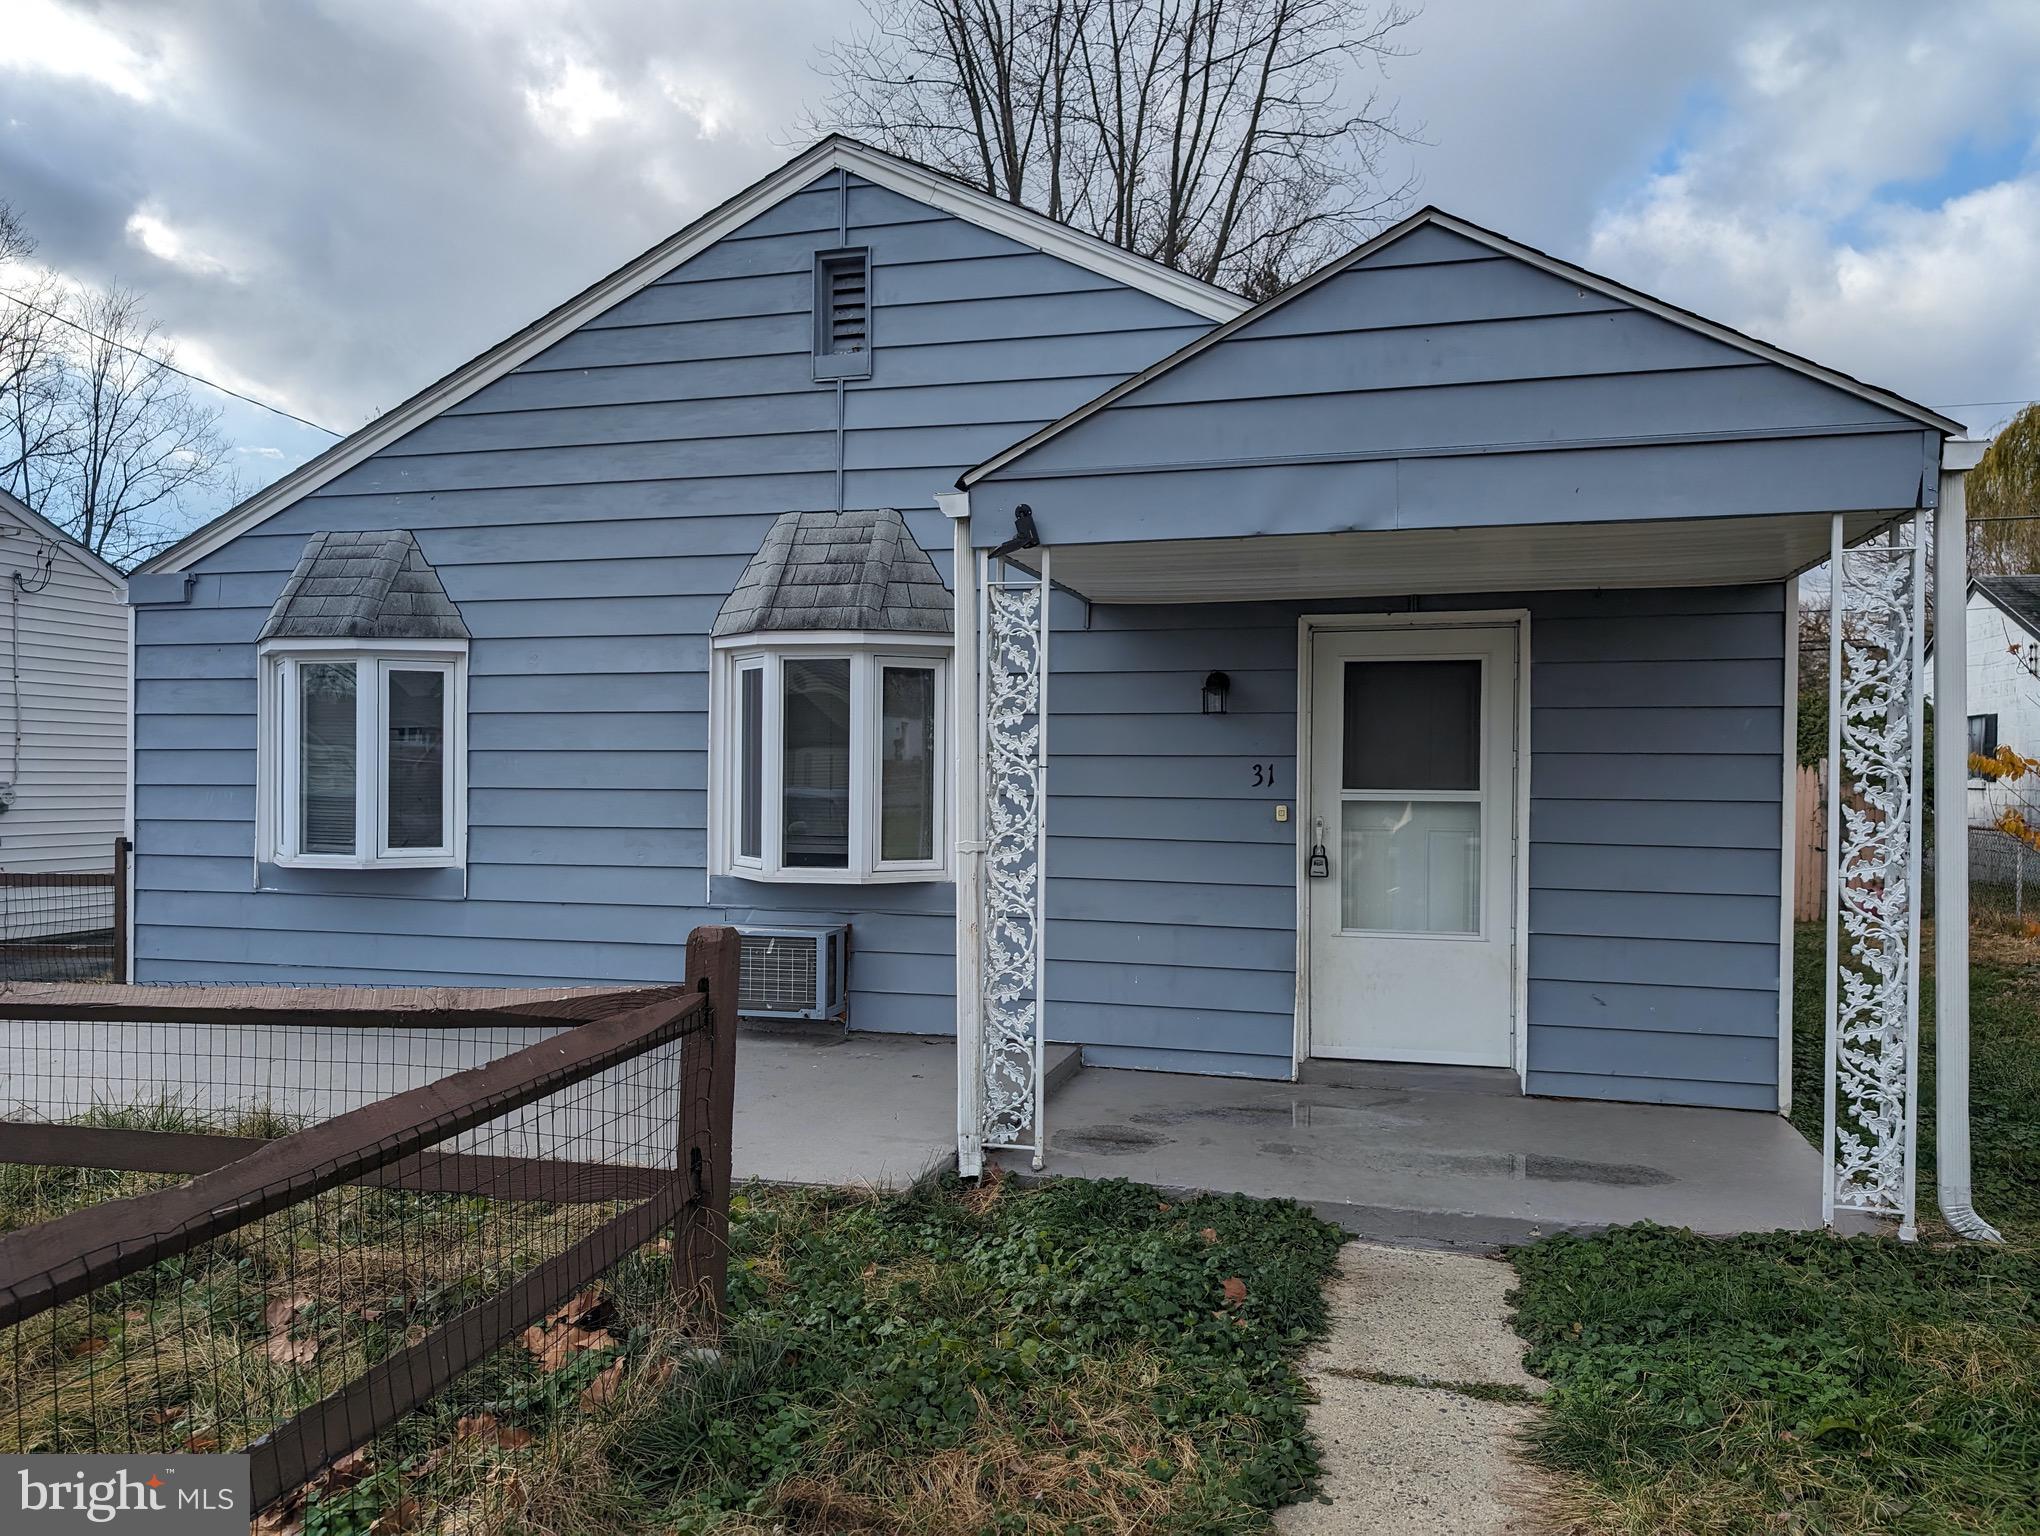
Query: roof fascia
point(904, 177)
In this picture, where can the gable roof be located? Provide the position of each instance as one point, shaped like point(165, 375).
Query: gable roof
point(20, 510)
point(363, 586)
point(2018, 597)
point(1503, 246)
point(838, 571)
point(833, 153)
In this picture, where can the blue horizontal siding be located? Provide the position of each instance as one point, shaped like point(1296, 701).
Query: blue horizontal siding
point(589, 511)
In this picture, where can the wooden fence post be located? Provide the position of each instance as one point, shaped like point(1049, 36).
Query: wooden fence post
point(708, 1094)
point(123, 962)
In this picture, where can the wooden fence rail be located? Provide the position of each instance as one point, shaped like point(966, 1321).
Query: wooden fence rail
point(402, 1142)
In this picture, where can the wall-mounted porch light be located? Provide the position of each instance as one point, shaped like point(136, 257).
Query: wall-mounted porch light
point(1216, 687)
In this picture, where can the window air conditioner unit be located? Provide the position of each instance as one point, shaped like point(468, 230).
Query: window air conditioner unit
point(794, 973)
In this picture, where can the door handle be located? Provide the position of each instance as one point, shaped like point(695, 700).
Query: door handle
point(1320, 862)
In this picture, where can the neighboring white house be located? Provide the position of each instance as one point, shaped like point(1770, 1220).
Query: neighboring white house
point(2004, 681)
point(63, 700)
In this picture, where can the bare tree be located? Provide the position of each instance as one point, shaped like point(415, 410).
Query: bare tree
point(1241, 141)
point(33, 386)
point(135, 441)
point(16, 243)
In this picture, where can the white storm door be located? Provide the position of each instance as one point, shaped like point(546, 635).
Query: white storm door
point(1413, 797)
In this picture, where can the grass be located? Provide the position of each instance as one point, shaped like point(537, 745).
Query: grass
point(1079, 1357)
point(1799, 1382)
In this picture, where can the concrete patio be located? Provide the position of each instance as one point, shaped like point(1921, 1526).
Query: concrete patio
point(1424, 1156)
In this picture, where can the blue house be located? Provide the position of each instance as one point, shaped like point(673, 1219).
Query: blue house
point(1398, 670)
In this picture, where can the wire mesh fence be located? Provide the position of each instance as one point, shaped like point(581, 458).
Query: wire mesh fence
point(310, 1291)
point(2003, 871)
point(65, 925)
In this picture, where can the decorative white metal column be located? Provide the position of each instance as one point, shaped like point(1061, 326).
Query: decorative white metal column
point(1013, 642)
point(1876, 675)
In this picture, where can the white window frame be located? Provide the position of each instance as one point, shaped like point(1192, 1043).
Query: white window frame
point(277, 764)
point(867, 655)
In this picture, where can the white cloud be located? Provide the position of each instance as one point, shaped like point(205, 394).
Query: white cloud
point(46, 37)
point(1864, 194)
point(575, 100)
point(152, 232)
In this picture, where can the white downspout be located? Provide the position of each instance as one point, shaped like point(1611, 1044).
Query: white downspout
point(967, 795)
point(1951, 842)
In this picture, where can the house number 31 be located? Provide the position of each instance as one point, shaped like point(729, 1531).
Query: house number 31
point(1264, 775)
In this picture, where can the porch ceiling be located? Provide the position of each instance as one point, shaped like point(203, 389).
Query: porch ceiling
point(1716, 551)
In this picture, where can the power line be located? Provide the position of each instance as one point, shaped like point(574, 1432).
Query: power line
point(161, 362)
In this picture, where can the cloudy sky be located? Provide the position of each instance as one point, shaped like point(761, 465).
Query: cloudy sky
point(331, 204)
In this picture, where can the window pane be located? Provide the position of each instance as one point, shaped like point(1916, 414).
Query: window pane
point(1411, 866)
point(816, 789)
point(907, 764)
point(1412, 725)
point(326, 758)
point(417, 769)
point(1983, 735)
point(751, 765)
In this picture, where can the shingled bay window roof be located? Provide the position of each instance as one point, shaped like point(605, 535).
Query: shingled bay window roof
point(838, 571)
point(364, 586)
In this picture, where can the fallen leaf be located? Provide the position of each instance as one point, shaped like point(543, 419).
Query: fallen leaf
point(415, 1334)
point(400, 1516)
point(348, 1470)
point(202, 1443)
point(870, 1270)
point(575, 1308)
point(162, 1415)
point(483, 1426)
point(370, 1314)
point(285, 1350)
point(603, 1387)
point(427, 1463)
point(278, 1313)
point(135, 1315)
point(279, 1520)
point(92, 1346)
point(659, 1372)
point(555, 1348)
point(1164, 1207)
point(1235, 1290)
point(1209, 1234)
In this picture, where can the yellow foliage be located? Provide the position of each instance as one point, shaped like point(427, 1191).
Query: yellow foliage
point(2013, 824)
point(2003, 766)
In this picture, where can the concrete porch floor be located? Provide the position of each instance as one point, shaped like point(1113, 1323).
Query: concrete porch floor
point(1423, 1156)
point(1405, 1155)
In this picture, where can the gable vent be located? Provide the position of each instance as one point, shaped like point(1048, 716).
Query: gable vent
point(843, 314)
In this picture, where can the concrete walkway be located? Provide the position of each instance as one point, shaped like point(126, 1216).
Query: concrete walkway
point(1421, 1392)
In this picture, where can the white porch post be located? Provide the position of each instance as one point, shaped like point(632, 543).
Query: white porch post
point(1875, 686)
point(968, 791)
point(1951, 843)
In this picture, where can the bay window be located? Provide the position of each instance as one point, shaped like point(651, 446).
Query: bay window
point(364, 756)
point(827, 763)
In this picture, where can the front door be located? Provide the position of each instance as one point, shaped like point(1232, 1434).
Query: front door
point(1413, 799)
